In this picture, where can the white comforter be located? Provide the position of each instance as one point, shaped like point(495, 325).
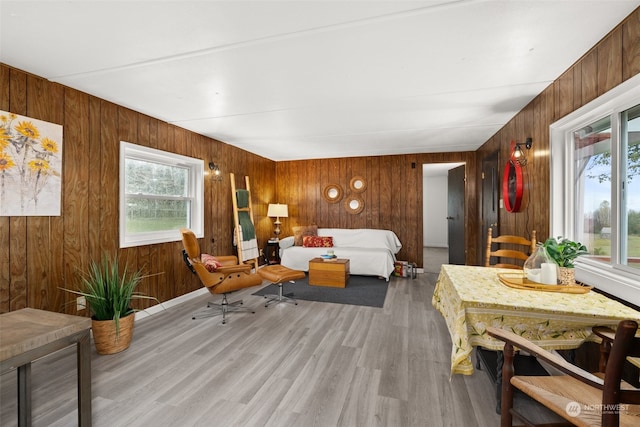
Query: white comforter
point(370, 252)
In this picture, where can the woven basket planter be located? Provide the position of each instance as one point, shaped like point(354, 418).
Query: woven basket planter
point(567, 276)
point(105, 338)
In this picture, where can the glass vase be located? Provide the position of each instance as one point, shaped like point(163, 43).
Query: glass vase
point(541, 268)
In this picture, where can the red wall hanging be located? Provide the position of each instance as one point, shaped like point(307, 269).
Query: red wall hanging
point(512, 183)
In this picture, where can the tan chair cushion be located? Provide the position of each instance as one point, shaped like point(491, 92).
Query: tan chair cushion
point(279, 274)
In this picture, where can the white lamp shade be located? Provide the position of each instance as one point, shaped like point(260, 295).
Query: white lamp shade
point(277, 210)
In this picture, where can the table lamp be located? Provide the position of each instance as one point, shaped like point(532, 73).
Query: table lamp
point(277, 211)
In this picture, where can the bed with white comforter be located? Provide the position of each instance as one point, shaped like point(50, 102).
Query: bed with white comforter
point(371, 252)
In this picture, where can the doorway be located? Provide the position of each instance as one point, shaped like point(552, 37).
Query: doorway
point(435, 201)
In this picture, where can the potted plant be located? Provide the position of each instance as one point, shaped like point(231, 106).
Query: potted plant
point(564, 252)
point(108, 293)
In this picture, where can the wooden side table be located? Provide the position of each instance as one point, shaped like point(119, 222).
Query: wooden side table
point(27, 335)
point(272, 252)
point(334, 273)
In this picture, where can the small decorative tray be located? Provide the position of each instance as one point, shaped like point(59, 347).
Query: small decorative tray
point(517, 281)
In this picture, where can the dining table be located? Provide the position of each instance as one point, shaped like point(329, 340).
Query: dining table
point(471, 298)
point(29, 334)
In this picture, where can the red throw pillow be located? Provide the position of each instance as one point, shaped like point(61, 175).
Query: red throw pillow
point(210, 262)
point(317, 242)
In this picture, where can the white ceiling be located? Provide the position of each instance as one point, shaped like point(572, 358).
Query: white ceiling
point(312, 79)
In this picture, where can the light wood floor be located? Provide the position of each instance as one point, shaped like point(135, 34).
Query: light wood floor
point(314, 364)
point(433, 258)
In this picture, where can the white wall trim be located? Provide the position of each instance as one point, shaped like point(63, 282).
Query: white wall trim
point(171, 303)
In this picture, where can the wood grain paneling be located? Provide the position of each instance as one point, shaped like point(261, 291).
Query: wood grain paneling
point(38, 239)
point(631, 45)
point(610, 61)
point(75, 199)
point(564, 89)
point(17, 266)
point(95, 173)
point(589, 66)
point(577, 87)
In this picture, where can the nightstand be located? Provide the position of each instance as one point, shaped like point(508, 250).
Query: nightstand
point(272, 252)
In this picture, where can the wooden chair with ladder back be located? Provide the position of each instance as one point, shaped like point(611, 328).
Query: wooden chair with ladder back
point(505, 254)
point(581, 398)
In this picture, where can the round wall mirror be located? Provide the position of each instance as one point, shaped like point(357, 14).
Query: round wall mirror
point(358, 184)
point(332, 193)
point(354, 205)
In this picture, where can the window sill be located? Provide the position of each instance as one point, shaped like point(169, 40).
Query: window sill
point(609, 280)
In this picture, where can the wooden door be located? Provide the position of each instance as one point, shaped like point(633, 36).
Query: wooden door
point(490, 199)
point(455, 215)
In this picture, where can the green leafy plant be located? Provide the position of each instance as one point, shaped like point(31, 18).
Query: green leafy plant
point(108, 292)
point(564, 251)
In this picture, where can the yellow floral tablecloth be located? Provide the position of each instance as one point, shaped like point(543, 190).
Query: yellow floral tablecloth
point(472, 298)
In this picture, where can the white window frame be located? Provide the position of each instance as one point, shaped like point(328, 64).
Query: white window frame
point(615, 279)
point(196, 194)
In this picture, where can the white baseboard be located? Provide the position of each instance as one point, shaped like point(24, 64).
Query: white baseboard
point(172, 302)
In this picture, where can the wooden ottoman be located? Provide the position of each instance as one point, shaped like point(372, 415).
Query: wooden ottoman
point(334, 273)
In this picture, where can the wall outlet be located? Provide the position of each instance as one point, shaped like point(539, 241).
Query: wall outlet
point(81, 303)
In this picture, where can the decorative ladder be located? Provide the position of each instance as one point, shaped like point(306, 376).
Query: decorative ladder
point(237, 213)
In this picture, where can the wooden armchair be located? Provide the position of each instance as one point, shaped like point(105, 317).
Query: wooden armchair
point(527, 247)
point(581, 398)
point(228, 277)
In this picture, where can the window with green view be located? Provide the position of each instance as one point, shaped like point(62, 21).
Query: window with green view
point(595, 188)
point(160, 193)
point(599, 180)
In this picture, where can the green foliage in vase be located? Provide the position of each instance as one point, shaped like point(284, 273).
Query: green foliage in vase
point(108, 292)
point(564, 251)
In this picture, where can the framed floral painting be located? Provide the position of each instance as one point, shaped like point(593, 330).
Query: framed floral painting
point(30, 166)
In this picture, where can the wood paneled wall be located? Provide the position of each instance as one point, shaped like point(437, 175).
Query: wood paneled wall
point(392, 199)
point(38, 255)
point(614, 59)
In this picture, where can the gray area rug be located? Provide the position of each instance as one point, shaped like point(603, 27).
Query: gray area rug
point(361, 290)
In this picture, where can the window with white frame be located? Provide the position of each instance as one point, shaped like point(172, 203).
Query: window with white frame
point(160, 192)
point(595, 188)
